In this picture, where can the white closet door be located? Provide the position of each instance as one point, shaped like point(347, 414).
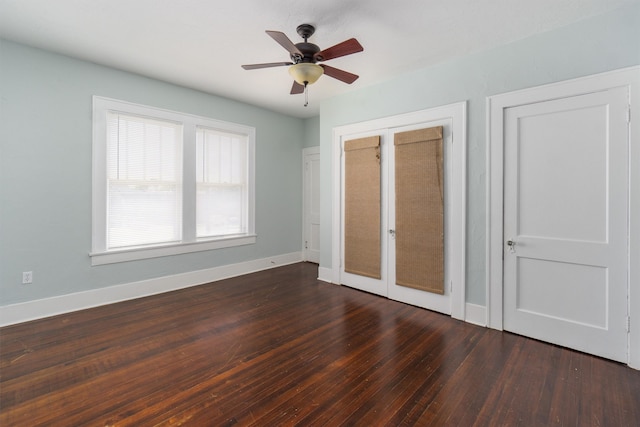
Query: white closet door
point(409, 295)
point(386, 285)
point(453, 119)
point(565, 221)
point(365, 282)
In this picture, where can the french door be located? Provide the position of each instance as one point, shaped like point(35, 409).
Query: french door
point(381, 207)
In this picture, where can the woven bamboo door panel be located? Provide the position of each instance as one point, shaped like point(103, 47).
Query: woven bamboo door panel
point(362, 249)
point(419, 190)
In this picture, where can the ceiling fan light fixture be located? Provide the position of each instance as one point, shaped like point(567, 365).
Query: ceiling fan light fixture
point(305, 72)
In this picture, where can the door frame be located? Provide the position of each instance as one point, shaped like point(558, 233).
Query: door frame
point(457, 112)
point(495, 107)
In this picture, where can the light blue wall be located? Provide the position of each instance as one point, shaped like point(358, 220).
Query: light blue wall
point(591, 46)
point(45, 174)
point(312, 132)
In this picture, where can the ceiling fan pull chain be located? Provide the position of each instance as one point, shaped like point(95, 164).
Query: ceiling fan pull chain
point(306, 95)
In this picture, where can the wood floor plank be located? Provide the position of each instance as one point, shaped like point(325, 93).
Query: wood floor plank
point(279, 347)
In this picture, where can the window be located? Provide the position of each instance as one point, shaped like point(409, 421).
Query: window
point(166, 183)
point(221, 183)
point(144, 174)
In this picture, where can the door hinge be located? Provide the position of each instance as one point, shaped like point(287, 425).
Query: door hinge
point(306, 244)
point(451, 286)
point(628, 323)
point(629, 114)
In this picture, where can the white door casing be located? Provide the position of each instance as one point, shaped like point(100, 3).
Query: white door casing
point(311, 204)
point(570, 244)
point(454, 301)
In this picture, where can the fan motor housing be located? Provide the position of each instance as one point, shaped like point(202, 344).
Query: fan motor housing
point(308, 50)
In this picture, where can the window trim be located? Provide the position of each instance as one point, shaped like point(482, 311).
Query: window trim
point(190, 243)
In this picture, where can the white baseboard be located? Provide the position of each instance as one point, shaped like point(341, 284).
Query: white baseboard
point(476, 314)
point(325, 274)
point(31, 310)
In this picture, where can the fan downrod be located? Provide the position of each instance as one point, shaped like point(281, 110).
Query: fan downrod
point(305, 31)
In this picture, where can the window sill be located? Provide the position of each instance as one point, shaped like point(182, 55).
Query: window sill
point(124, 255)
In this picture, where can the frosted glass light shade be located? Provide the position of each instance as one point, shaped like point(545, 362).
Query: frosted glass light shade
point(306, 72)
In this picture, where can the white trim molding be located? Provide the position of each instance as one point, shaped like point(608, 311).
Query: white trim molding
point(47, 307)
point(496, 105)
point(169, 250)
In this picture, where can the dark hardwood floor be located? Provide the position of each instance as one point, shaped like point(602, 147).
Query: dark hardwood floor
point(281, 348)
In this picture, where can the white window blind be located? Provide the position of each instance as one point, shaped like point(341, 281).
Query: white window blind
point(221, 183)
point(168, 183)
point(144, 204)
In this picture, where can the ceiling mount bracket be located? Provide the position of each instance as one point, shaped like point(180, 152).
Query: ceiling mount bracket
point(305, 31)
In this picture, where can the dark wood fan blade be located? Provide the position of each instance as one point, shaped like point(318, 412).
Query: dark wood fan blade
point(347, 47)
point(285, 42)
point(343, 76)
point(296, 88)
point(267, 65)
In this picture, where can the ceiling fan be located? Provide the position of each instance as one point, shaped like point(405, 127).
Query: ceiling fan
point(304, 55)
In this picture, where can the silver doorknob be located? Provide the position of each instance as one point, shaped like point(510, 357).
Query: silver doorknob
point(511, 243)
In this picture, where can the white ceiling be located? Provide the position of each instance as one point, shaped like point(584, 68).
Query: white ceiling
point(201, 44)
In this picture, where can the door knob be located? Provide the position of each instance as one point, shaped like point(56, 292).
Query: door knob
point(512, 245)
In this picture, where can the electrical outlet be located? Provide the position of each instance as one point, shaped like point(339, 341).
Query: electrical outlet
point(27, 277)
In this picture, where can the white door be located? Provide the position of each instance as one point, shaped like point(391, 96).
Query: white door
point(420, 298)
point(565, 221)
point(373, 285)
point(386, 284)
point(311, 197)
